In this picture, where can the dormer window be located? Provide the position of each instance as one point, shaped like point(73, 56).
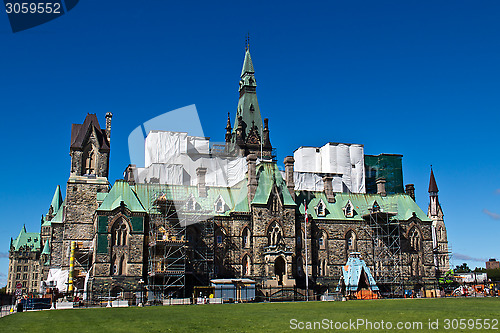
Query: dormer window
point(349, 209)
point(321, 209)
point(220, 205)
point(252, 109)
point(191, 204)
point(375, 207)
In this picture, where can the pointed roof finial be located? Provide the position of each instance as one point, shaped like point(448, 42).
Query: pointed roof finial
point(247, 42)
point(432, 183)
point(228, 125)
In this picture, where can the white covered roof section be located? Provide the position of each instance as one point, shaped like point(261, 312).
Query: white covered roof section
point(173, 157)
point(344, 161)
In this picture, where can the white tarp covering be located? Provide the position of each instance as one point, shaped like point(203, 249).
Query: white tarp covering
point(172, 158)
point(471, 277)
point(58, 278)
point(344, 162)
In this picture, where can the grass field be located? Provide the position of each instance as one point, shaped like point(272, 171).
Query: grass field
point(260, 317)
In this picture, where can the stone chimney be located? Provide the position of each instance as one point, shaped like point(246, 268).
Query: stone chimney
point(381, 186)
point(289, 161)
point(328, 188)
point(410, 190)
point(109, 115)
point(252, 176)
point(129, 174)
point(202, 187)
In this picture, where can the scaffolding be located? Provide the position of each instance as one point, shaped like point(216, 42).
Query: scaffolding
point(175, 251)
point(383, 227)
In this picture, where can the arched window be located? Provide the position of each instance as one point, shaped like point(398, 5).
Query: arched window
point(322, 240)
point(440, 234)
point(120, 233)
point(350, 242)
point(274, 234)
point(275, 204)
point(89, 160)
point(246, 238)
point(415, 241)
point(124, 234)
point(245, 264)
point(219, 237)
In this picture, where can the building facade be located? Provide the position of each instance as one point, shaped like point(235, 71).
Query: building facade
point(168, 234)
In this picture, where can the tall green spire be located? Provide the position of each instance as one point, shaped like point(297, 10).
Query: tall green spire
point(46, 248)
point(247, 64)
point(248, 106)
point(56, 200)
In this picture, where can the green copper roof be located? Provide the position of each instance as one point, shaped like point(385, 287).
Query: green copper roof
point(234, 198)
point(58, 218)
point(247, 64)
point(46, 248)
point(56, 199)
point(269, 175)
point(401, 204)
point(121, 191)
point(248, 106)
point(26, 241)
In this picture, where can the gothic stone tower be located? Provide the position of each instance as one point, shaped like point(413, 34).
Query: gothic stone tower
point(439, 236)
point(268, 229)
point(249, 134)
point(89, 151)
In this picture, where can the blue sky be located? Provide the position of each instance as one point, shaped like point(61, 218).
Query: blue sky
point(418, 78)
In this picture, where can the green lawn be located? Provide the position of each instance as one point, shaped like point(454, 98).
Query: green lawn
point(262, 317)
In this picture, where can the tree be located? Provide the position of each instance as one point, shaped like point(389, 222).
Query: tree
point(464, 268)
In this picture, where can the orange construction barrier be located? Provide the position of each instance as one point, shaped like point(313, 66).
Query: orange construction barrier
point(366, 294)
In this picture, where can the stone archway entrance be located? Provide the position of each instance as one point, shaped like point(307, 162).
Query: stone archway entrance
point(279, 269)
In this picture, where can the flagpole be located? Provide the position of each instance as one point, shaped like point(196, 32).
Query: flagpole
point(305, 245)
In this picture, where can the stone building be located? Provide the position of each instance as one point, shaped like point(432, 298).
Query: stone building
point(25, 258)
point(175, 225)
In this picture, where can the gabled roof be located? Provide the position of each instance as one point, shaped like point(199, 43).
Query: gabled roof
point(269, 176)
point(58, 218)
point(401, 204)
point(433, 188)
point(27, 240)
point(80, 132)
point(121, 192)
